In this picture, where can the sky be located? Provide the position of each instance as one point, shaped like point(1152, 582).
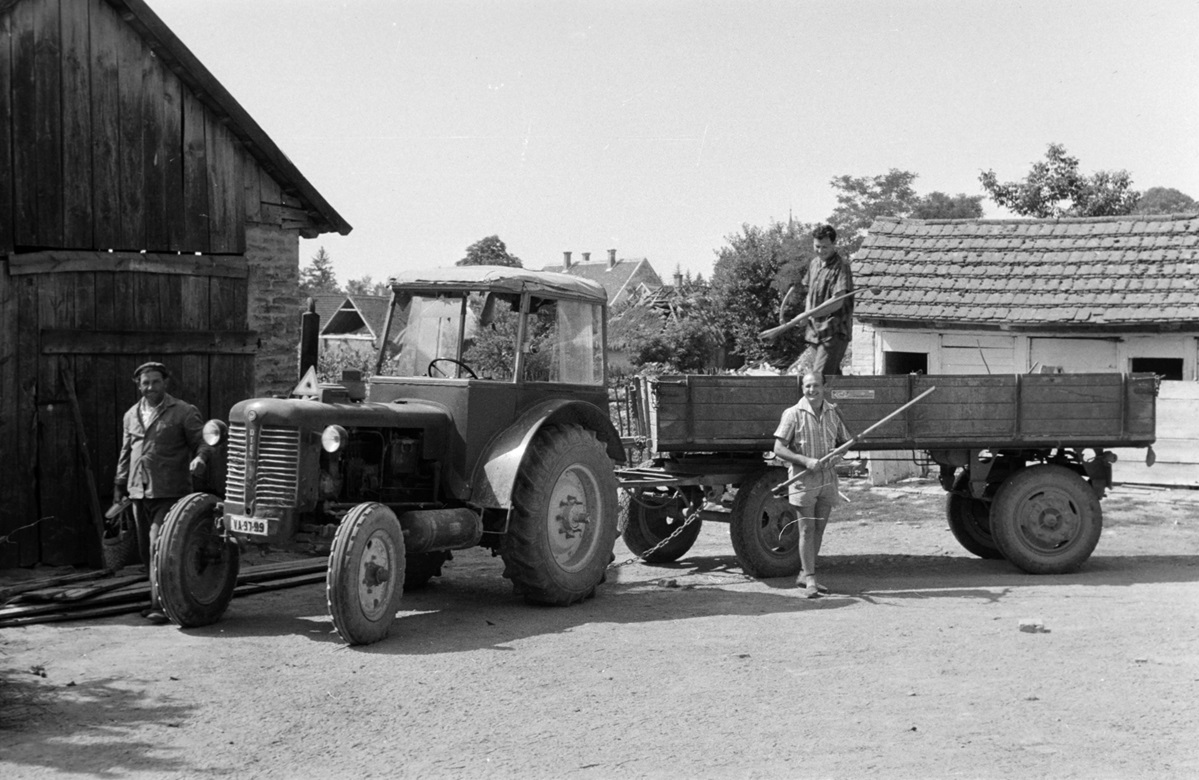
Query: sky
point(658, 128)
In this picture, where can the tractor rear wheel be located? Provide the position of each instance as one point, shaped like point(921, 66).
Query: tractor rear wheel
point(194, 567)
point(764, 528)
point(366, 573)
point(563, 527)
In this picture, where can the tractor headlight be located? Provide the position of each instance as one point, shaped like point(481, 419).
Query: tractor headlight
point(214, 433)
point(334, 438)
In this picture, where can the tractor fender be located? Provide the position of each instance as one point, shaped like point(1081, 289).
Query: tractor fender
point(497, 468)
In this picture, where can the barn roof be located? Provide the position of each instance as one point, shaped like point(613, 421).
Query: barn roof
point(171, 51)
point(1132, 272)
point(351, 314)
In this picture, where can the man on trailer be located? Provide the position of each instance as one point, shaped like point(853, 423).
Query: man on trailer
point(829, 277)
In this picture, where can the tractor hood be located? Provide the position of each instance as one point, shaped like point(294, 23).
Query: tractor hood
point(431, 418)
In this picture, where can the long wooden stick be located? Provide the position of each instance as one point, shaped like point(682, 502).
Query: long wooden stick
point(804, 316)
point(854, 440)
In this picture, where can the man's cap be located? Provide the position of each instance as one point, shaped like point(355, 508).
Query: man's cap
point(144, 367)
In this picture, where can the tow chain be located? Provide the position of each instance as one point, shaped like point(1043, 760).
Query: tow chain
point(688, 518)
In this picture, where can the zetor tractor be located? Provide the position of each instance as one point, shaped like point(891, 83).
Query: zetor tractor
point(485, 424)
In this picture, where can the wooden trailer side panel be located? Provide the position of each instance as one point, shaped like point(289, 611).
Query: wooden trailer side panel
point(739, 414)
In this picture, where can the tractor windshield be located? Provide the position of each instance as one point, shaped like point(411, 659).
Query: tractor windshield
point(474, 335)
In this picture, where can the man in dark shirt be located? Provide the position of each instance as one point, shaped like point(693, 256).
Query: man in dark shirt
point(828, 277)
point(161, 450)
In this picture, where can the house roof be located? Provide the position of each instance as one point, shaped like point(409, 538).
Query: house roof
point(1108, 273)
point(351, 314)
point(171, 51)
point(614, 278)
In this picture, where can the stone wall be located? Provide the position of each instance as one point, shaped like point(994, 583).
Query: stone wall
point(273, 255)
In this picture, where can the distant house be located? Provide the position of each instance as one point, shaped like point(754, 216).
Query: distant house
point(1016, 296)
point(351, 323)
point(623, 279)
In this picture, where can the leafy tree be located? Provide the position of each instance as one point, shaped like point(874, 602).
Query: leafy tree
point(862, 199)
point(489, 251)
point(1165, 200)
point(318, 277)
point(938, 205)
point(748, 284)
point(367, 286)
point(1055, 187)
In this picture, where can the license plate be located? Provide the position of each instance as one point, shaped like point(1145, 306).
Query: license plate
point(248, 525)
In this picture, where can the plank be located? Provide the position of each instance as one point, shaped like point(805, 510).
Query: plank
point(48, 107)
point(8, 593)
point(57, 484)
point(172, 145)
point(225, 191)
point(133, 60)
point(251, 189)
point(154, 157)
point(24, 125)
point(27, 450)
point(77, 261)
point(105, 28)
point(141, 342)
point(195, 177)
point(11, 490)
point(76, 126)
point(7, 226)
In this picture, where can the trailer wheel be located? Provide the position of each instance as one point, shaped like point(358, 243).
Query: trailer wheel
point(970, 520)
point(194, 567)
point(366, 573)
point(649, 517)
point(563, 527)
point(1046, 520)
point(763, 528)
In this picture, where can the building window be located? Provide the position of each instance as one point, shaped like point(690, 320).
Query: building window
point(1166, 368)
point(905, 362)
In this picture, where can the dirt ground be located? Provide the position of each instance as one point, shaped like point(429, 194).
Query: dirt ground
point(915, 666)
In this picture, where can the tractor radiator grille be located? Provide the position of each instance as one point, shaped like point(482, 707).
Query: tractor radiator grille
point(277, 467)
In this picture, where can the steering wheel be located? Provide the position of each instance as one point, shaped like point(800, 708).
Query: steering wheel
point(435, 361)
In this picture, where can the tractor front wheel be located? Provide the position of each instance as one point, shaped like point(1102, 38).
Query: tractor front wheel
point(366, 573)
point(194, 566)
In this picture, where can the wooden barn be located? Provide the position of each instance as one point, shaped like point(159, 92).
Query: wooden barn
point(143, 216)
point(1016, 296)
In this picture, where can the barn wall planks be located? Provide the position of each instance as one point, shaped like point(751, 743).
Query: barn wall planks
point(102, 146)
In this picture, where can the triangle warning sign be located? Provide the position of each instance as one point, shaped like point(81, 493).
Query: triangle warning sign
point(309, 387)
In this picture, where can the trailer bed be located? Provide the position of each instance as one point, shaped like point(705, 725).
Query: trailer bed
point(729, 414)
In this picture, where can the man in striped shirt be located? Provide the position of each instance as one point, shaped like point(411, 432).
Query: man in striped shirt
point(806, 433)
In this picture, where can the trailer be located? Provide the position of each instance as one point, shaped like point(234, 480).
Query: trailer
point(1024, 459)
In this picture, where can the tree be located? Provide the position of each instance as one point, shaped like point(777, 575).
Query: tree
point(489, 251)
point(748, 284)
point(1165, 200)
point(318, 277)
point(860, 200)
point(367, 286)
point(1055, 188)
point(938, 205)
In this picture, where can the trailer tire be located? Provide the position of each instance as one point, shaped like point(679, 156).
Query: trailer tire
point(650, 517)
point(194, 566)
point(763, 528)
point(970, 520)
point(563, 527)
point(365, 581)
point(1046, 519)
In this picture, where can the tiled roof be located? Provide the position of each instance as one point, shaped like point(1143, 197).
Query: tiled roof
point(614, 279)
point(1100, 272)
point(348, 314)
